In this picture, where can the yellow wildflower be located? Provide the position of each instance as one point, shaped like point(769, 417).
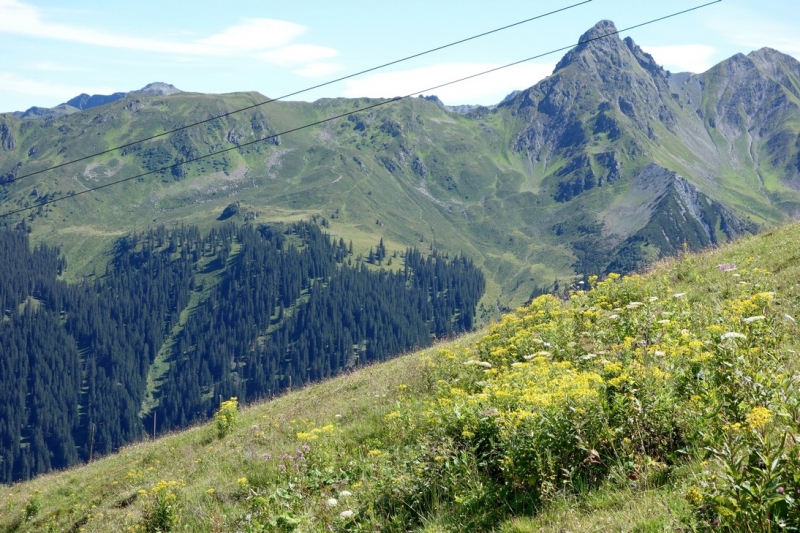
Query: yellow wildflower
point(758, 417)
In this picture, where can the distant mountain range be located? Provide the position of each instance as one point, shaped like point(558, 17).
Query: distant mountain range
point(84, 101)
point(605, 165)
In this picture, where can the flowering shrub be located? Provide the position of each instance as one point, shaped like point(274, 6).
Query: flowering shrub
point(622, 381)
point(225, 417)
point(626, 377)
point(161, 507)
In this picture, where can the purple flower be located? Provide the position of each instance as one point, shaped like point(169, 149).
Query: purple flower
point(715, 522)
point(306, 448)
point(267, 456)
point(780, 490)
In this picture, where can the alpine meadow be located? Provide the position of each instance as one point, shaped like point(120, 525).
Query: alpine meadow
point(574, 310)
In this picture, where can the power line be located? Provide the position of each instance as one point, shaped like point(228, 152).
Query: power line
point(229, 113)
point(361, 110)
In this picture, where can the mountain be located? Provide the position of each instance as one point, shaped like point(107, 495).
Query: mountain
point(85, 101)
point(159, 88)
point(605, 165)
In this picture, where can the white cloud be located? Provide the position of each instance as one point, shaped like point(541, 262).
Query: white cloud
point(256, 34)
point(683, 57)
point(22, 19)
point(13, 83)
point(294, 54)
point(251, 35)
point(486, 89)
point(317, 70)
point(50, 66)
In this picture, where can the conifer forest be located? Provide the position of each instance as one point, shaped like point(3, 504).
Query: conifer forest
point(181, 319)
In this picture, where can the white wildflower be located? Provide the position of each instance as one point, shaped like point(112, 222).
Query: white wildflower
point(678, 294)
point(653, 299)
point(588, 356)
point(751, 319)
point(516, 364)
point(345, 494)
point(633, 305)
point(346, 514)
point(790, 319)
point(332, 502)
point(732, 335)
point(659, 353)
point(665, 321)
point(471, 362)
point(485, 364)
point(613, 317)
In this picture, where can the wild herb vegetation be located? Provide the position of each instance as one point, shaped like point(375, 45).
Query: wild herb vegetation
point(674, 392)
point(181, 321)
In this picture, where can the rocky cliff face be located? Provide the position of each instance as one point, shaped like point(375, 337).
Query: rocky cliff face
point(610, 111)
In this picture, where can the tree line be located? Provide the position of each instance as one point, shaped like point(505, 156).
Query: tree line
point(264, 309)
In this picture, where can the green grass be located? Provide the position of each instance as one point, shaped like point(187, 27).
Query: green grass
point(102, 496)
point(616, 507)
point(387, 408)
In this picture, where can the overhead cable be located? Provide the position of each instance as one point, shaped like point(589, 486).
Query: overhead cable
point(269, 101)
point(360, 110)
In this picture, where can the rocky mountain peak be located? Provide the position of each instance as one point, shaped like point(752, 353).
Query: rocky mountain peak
point(771, 62)
point(599, 44)
point(159, 88)
point(599, 30)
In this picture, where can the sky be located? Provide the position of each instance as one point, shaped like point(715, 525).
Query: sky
point(51, 51)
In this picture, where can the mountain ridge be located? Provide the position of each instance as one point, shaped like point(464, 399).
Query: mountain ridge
point(85, 101)
point(530, 188)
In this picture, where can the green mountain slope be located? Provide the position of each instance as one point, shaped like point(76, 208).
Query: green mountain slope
point(645, 404)
point(181, 319)
point(552, 182)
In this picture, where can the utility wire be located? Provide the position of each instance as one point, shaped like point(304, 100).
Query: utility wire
point(229, 113)
point(361, 110)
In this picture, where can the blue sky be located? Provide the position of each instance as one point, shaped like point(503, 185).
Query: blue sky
point(53, 50)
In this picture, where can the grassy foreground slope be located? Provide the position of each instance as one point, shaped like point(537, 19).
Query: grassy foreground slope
point(649, 403)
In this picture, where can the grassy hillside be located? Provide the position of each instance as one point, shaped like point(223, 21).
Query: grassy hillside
point(556, 182)
point(651, 402)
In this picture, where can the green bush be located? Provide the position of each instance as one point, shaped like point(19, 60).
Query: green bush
point(226, 416)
